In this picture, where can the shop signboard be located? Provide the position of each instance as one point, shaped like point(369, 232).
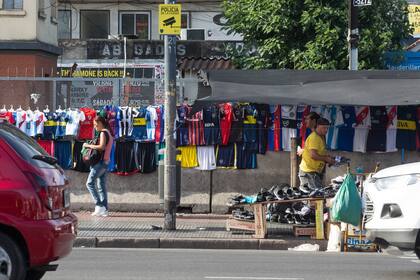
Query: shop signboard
point(402, 61)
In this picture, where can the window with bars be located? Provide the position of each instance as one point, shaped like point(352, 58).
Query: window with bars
point(12, 4)
point(94, 24)
point(64, 24)
point(135, 23)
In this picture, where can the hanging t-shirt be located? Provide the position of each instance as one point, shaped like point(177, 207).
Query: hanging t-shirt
point(250, 131)
point(237, 124)
point(30, 123)
point(302, 130)
point(196, 129)
point(125, 121)
point(61, 117)
point(40, 119)
point(8, 116)
point(111, 116)
point(73, 119)
point(182, 126)
point(391, 129)
point(289, 125)
point(47, 145)
point(361, 129)
point(406, 133)
point(188, 156)
point(377, 133)
point(159, 125)
point(335, 116)
point(211, 125)
point(226, 116)
point(21, 120)
point(139, 124)
point(274, 134)
point(50, 126)
point(86, 126)
point(151, 118)
point(263, 112)
point(346, 131)
point(206, 158)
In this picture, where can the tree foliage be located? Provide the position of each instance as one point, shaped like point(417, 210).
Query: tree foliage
point(312, 34)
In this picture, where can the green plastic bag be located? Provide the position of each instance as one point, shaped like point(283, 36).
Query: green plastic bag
point(347, 206)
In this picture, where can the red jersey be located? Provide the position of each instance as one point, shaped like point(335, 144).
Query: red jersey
point(226, 113)
point(158, 125)
point(196, 129)
point(47, 145)
point(7, 116)
point(277, 128)
point(86, 126)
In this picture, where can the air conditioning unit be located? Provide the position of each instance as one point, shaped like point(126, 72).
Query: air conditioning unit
point(193, 34)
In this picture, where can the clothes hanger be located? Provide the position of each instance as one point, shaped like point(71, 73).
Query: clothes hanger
point(11, 109)
point(46, 110)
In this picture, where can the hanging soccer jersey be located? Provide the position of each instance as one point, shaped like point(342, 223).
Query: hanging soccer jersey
point(151, 118)
point(196, 129)
point(377, 133)
point(263, 112)
point(125, 157)
point(211, 125)
point(47, 145)
point(159, 125)
point(335, 115)
point(61, 117)
point(346, 131)
point(406, 133)
point(40, 119)
point(302, 113)
point(182, 126)
point(21, 120)
point(86, 130)
point(361, 129)
point(62, 151)
point(237, 124)
point(206, 158)
point(30, 123)
point(275, 129)
point(391, 129)
point(125, 121)
point(226, 116)
point(145, 156)
point(289, 125)
point(245, 158)
point(188, 156)
point(50, 126)
point(73, 119)
point(8, 116)
point(78, 163)
point(139, 124)
point(250, 130)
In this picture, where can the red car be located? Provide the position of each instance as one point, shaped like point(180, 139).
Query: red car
point(36, 225)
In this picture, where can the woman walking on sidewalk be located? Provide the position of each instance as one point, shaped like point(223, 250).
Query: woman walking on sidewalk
point(96, 182)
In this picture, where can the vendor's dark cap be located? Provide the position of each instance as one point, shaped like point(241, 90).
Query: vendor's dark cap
point(313, 116)
point(322, 121)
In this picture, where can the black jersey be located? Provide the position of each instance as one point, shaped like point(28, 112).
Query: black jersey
point(377, 133)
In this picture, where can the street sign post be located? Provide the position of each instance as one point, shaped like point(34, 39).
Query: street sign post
point(361, 3)
point(170, 19)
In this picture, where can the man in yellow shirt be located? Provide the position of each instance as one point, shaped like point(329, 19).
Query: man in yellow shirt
point(314, 158)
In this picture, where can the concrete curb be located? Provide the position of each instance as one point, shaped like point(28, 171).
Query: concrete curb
point(195, 243)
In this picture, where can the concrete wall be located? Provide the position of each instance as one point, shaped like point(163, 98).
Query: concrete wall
point(199, 188)
point(46, 27)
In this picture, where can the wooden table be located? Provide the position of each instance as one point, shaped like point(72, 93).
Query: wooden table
point(259, 225)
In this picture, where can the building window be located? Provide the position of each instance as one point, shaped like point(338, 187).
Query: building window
point(94, 24)
point(54, 9)
point(41, 9)
point(12, 4)
point(64, 24)
point(137, 23)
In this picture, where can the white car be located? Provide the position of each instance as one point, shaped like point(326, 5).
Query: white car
point(392, 207)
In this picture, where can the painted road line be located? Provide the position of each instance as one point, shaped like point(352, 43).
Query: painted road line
point(252, 278)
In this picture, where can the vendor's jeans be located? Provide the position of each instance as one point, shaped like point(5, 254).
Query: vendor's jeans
point(312, 180)
point(96, 184)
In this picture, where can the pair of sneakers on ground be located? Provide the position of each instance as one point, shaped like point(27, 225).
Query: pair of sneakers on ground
point(100, 211)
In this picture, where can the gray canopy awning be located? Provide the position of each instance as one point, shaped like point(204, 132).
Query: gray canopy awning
point(314, 87)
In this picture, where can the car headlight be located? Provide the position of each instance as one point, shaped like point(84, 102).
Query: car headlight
point(387, 183)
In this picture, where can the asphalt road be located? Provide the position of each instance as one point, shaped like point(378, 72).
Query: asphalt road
point(124, 264)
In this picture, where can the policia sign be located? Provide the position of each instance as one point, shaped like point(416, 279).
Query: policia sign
point(170, 19)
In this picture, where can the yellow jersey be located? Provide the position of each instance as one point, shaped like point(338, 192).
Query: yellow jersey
point(188, 156)
point(308, 164)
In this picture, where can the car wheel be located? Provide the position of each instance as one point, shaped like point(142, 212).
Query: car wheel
point(34, 274)
point(12, 262)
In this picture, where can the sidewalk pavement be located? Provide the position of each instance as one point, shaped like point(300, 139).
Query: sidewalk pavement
point(199, 231)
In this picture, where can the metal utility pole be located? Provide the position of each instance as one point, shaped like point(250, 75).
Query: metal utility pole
point(353, 36)
point(170, 152)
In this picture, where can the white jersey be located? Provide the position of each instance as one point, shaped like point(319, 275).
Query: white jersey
point(391, 131)
point(73, 122)
point(125, 121)
point(30, 123)
point(288, 125)
point(361, 130)
point(21, 120)
point(151, 118)
point(334, 115)
point(206, 158)
point(40, 119)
